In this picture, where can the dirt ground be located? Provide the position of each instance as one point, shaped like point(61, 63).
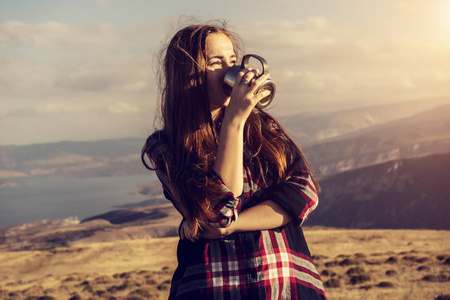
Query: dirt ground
point(354, 264)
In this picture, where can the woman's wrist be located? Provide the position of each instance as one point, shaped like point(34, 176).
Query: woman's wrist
point(234, 227)
point(232, 121)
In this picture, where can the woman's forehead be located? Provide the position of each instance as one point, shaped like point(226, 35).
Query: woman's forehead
point(218, 45)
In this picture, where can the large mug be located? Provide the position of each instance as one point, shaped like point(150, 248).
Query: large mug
point(230, 79)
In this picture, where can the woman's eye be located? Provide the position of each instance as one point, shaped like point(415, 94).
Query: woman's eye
point(216, 63)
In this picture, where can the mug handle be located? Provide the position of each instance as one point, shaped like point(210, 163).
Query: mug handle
point(246, 59)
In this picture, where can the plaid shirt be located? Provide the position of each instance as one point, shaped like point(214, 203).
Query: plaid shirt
point(267, 264)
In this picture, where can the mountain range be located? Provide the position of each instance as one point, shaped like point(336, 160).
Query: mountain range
point(424, 133)
point(310, 127)
point(363, 136)
point(409, 193)
point(389, 171)
point(81, 159)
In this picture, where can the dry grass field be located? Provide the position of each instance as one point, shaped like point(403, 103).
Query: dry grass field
point(354, 264)
point(382, 264)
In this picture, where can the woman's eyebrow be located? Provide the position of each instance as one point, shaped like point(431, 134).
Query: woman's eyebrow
point(221, 56)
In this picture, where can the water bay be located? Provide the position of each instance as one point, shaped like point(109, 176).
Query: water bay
point(38, 198)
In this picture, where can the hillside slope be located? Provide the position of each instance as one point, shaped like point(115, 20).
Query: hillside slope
point(82, 159)
point(424, 133)
point(406, 193)
point(364, 147)
point(310, 127)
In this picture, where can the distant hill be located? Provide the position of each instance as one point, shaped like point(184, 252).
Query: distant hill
point(338, 141)
point(310, 127)
point(408, 193)
point(411, 193)
point(134, 223)
point(84, 159)
point(424, 133)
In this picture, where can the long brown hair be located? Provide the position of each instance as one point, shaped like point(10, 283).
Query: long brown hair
point(190, 132)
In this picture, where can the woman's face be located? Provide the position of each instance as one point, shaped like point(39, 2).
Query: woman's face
point(220, 57)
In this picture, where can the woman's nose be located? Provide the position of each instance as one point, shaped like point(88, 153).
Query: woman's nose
point(228, 64)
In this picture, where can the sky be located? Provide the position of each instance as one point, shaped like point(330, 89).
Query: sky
point(85, 70)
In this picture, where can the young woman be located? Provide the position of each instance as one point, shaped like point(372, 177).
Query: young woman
point(241, 184)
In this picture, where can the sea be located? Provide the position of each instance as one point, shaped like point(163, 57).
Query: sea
point(56, 198)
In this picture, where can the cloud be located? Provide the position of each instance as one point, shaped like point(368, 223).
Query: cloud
point(134, 86)
point(121, 74)
point(52, 34)
point(319, 61)
point(59, 108)
point(97, 80)
point(292, 33)
point(413, 5)
point(122, 108)
point(20, 74)
point(21, 112)
point(89, 80)
point(48, 109)
point(87, 109)
point(406, 6)
point(104, 3)
point(57, 59)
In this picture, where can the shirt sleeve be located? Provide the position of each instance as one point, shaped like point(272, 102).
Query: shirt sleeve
point(297, 194)
point(153, 152)
point(226, 208)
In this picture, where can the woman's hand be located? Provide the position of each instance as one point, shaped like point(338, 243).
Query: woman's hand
point(207, 232)
point(210, 232)
point(185, 232)
point(244, 97)
point(263, 216)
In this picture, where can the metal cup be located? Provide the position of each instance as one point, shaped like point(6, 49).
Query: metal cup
point(230, 79)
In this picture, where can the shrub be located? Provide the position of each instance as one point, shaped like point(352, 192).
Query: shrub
point(435, 278)
point(391, 273)
point(349, 262)
point(333, 283)
point(423, 268)
point(385, 284)
point(355, 271)
point(360, 279)
point(392, 260)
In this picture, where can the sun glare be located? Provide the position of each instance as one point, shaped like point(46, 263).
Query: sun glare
point(446, 15)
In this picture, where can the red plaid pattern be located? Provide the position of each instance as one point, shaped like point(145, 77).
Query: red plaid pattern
point(277, 268)
point(269, 264)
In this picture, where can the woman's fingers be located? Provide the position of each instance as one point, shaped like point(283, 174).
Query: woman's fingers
point(249, 76)
point(257, 83)
point(183, 231)
point(255, 86)
point(243, 96)
point(186, 233)
point(210, 232)
point(182, 235)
